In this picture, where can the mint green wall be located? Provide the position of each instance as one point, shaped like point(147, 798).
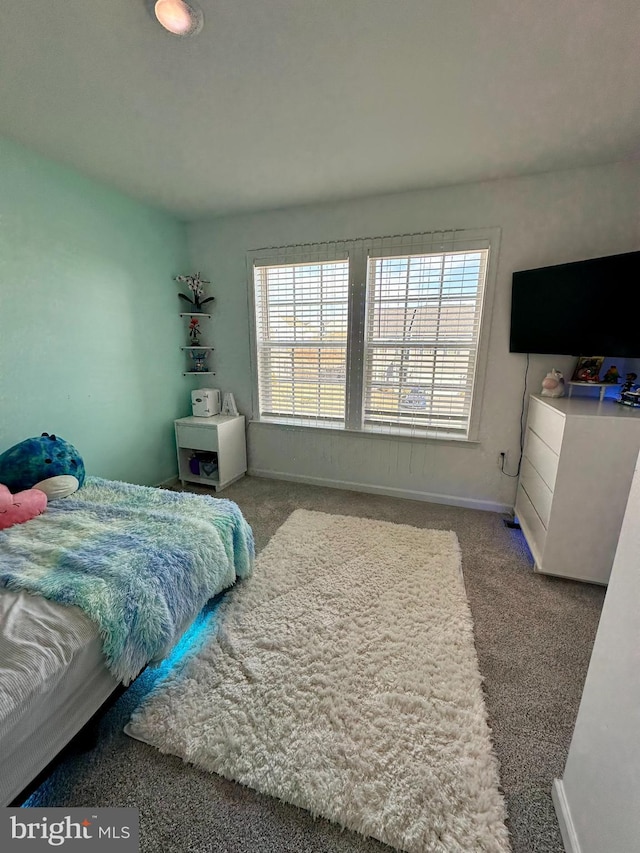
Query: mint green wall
point(89, 326)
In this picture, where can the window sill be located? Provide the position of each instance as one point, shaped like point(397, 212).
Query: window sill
point(379, 432)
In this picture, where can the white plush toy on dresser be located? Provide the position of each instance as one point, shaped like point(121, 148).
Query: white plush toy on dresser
point(553, 384)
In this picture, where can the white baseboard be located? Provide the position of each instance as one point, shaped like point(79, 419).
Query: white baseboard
point(168, 482)
point(567, 829)
point(389, 491)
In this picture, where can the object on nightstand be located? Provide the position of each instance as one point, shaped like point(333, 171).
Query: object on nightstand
point(229, 405)
point(209, 465)
point(205, 402)
point(553, 384)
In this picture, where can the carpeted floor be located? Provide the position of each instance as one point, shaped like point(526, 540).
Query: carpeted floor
point(533, 637)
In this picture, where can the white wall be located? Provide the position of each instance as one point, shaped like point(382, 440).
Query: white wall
point(545, 219)
point(597, 799)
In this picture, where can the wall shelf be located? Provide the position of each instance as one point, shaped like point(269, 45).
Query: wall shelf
point(198, 353)
point(602, 386)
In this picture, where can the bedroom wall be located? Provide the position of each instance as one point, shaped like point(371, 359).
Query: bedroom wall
point(544, 219)
point(89, 326)
point(598, 795)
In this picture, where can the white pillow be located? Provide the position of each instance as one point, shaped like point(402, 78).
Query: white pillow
point(58, 487)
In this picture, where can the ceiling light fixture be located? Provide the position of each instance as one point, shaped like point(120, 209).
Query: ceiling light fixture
point(179, 17)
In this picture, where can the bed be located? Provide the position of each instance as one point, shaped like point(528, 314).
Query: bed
point(101, 585)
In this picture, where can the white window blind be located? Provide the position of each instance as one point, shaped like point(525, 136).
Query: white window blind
point(301, 330)
point(422, 330)
point(376, 334)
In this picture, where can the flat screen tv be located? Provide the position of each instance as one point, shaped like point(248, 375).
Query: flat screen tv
point(583, 308)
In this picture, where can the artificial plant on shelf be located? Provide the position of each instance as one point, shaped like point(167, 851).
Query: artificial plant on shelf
point(195, 283)
point(194, 332)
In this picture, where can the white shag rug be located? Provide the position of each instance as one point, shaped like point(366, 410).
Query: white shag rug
point(344, 679)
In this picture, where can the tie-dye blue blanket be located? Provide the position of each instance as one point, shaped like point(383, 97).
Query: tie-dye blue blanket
point(140, 562)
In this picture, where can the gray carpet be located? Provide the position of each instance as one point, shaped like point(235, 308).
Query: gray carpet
point(533, 636)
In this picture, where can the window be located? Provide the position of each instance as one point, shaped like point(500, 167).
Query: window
point(301, 323)
point(371, 335)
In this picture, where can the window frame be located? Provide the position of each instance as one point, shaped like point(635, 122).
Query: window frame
point(358, 251)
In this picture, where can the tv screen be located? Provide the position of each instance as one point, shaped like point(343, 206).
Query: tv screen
point(583, 308)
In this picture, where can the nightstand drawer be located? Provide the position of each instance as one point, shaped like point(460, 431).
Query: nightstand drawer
point(542, 457)
point(197, 437)
point(537, 491)
point(546, 423)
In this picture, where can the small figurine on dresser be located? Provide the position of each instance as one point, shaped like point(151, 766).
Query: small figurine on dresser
point(553, 384)
point(588, 369)
point(629, 382)
point(612, 375)
point(630, 393)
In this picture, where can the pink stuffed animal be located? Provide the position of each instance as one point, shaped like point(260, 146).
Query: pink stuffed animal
point(14, 509)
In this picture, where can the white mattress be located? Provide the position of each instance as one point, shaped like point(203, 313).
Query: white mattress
point(53, 678)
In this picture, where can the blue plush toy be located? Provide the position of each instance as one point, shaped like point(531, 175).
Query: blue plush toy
point(37, 459)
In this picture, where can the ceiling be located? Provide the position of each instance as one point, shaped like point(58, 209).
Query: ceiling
point(283, 102)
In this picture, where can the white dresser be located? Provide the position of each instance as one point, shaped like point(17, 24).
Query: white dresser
point(577, 467)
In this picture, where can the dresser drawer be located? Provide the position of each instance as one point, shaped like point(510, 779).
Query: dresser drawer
point(546, 423)
point(196, 437)
point(537, 491)
point(534, 530)
point(542, 457)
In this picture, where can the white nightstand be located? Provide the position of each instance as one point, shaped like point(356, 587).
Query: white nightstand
point(221, 450)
